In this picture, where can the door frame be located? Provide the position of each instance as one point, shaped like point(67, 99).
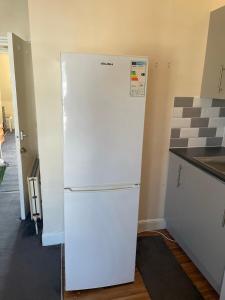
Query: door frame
point(6, 47)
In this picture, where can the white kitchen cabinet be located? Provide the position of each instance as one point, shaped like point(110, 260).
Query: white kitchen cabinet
point(213, 81)
point(195, 207)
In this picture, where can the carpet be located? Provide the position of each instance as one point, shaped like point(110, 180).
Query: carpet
point(28, 271)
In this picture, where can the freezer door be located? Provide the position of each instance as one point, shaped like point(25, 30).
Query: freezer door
point(103, 124)
point(100, 238)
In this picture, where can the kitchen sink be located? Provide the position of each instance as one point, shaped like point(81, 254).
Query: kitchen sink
point(214, 162)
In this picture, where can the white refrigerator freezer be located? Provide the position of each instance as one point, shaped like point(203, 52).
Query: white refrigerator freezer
point(103, 114)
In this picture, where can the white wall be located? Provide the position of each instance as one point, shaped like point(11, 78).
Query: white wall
point(172, 33)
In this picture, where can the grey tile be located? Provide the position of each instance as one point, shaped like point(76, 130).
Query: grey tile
point(214, 141)
point(178, 143)
point(199, 122)
point(222, 112)
point(202, 102)
point(181, 123)
point(183, 101)
point(197, 142)
point(210, 112)
point(220, 131)
point(191, 112)
point(218, 102)
point(216, 122)
point(207, 132)
point(175, 133)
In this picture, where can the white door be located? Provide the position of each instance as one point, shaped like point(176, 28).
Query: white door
point(103, 123)
point(21, 74)
point(100, 237)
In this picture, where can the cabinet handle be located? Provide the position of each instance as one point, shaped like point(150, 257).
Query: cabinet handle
point(223, 220)
point(222, 69)
point(179, 175)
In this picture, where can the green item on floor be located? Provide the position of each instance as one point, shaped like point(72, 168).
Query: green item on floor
point(2, 172)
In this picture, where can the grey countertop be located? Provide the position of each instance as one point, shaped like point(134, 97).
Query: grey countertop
point(189, 155)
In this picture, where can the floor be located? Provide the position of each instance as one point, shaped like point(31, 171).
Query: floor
point(26, 266)
point(10, 183)
point(9, 204)
point(27, 270)
point(137, 290)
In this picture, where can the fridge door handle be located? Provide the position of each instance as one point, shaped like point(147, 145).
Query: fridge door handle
point(102, 188)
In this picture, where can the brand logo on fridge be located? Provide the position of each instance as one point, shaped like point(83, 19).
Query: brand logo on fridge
point(106, 63)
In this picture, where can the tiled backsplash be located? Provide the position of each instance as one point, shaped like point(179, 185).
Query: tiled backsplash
point(197, 122)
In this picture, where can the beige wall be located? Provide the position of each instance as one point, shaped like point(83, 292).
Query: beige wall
point(14, 18)
point(217, 4)
point(5, 84)
point(172, 33)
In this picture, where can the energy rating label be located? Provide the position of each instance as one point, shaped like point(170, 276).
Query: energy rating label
point(137, 78)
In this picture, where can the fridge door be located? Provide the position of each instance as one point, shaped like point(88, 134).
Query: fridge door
point(100, 237)
point(103, 123)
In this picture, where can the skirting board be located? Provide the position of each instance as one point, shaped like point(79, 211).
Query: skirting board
point(56, 238)
point(151, 224)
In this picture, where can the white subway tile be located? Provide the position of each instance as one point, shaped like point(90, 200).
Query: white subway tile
point(181, 122)
point(189, 132)
point(216, 122)
point(202, 102)
point(210, 112)
point(197, 142)
point(177, 112)
point(220, 131)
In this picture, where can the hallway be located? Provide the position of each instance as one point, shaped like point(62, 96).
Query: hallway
point(26, 268)
point(10, 181)
point(9, 204)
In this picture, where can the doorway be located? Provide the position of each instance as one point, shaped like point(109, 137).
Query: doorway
point(17, 118)
point(9, 186)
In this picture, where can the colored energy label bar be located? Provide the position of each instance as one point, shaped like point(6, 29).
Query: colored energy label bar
point(133, 76)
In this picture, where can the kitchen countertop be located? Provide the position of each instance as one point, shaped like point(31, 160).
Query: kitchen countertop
point(189, 154)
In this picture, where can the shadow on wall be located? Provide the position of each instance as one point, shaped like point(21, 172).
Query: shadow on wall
point(156, 139)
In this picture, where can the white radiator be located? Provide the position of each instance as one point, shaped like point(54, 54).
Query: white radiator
point(34, 194)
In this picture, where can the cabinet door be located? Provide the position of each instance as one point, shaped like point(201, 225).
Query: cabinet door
point(198, 225)
point(213, 82)
point(173, 206)
point(203, 228)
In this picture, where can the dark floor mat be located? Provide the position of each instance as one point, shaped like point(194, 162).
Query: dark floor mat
point(162, 274)
point(28, 271)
